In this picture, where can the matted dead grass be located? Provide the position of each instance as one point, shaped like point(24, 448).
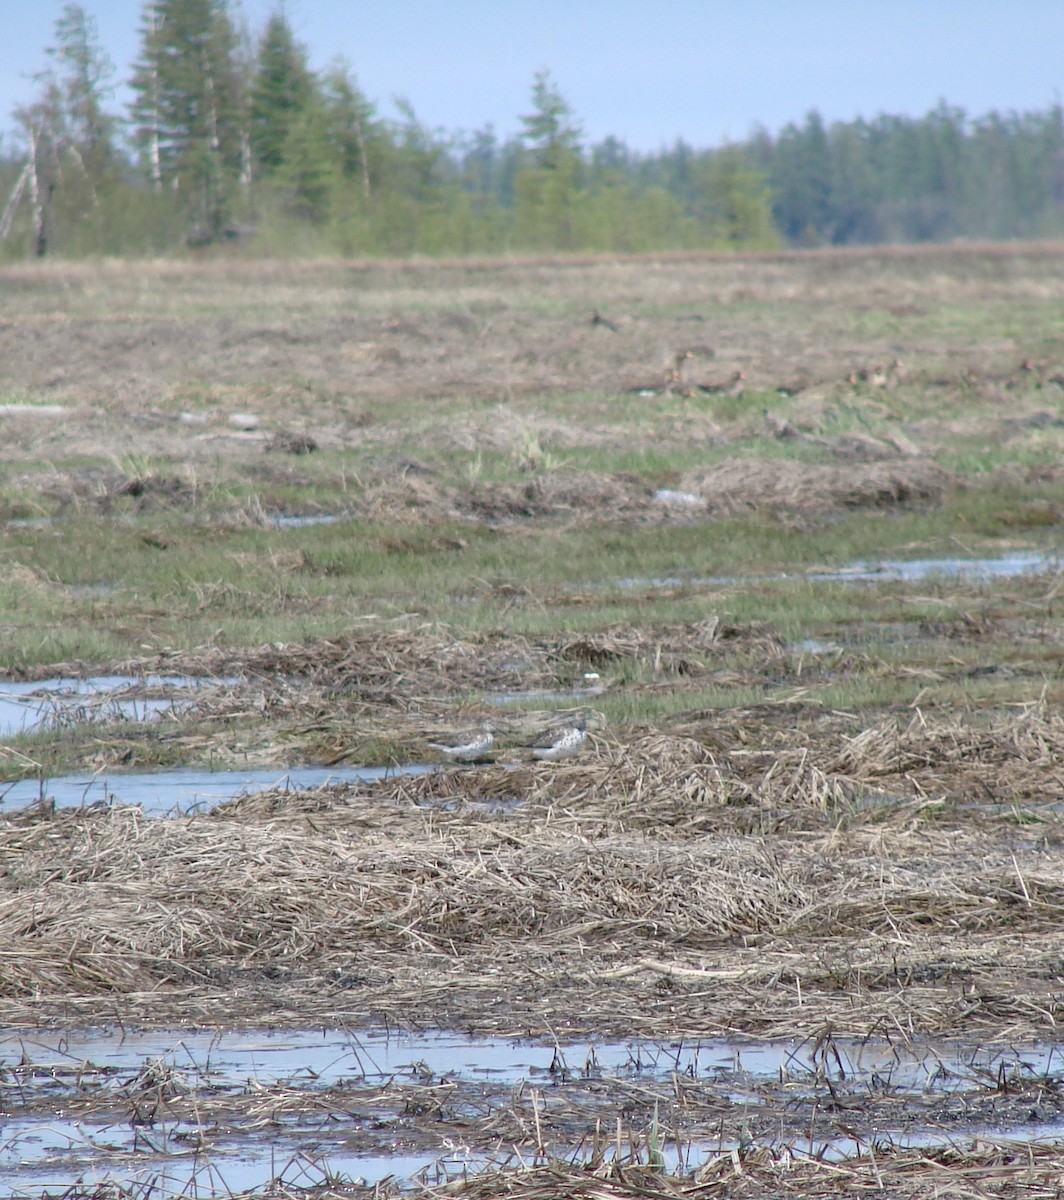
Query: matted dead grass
point(659, 783)
point(744, 485)
point(1000, 1169)
point(396, 656)
point(908, 875)
point(407, 498)
point(668, 786)
point(1015, 760)
point(507, 898)
point(419, 656)
point(731, 488)
point(671, 646)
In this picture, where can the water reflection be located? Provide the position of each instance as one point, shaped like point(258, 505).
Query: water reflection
point(184, 791)
point(26, 707)
point(917, 570)
point(49, 1074)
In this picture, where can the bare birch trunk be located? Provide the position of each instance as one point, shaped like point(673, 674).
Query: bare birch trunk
point(11, 207)
point(37, 202)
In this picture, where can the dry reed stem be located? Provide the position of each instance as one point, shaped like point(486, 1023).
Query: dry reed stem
point(741, 486)
point(988, 1168)
point(106, 901)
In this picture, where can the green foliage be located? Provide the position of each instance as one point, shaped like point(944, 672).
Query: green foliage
point(618, 215)
point(190, 108)
point(79, 84)
point(803, 184)
point(739, 194)
point(283, 91)
point(547, 188)
point(544, 212)
point(307, 169)
point(904, 179)
point(550, 129)
point(236, 144)
point(355, 139)
point(72, 162)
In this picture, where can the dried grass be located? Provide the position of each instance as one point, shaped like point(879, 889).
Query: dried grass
point(989, 1167)
point(734, 487)
point(803, 886)
point(394, 665)
point(748, 485)
point(669, 647)
point(22, 578)
point(608, 864)
point(1016, 759)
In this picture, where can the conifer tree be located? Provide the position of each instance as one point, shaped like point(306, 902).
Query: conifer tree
point(79, 84)
point(551, 129)
point(189, 109)
point(309, 170)
point(546, 189)
point(282, 91)
point(351, 127)
point(800, 178)
point(740, 202)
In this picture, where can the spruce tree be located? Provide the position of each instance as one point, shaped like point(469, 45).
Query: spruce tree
point(189, 109)
point(546, 190)
point(801, 179)
point(550, 129)
point(740, 202)
point(282, 91)
point(308, 171)
point(354, 134)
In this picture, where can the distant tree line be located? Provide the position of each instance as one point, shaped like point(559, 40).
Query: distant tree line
point(232, 136)
point(925, 179)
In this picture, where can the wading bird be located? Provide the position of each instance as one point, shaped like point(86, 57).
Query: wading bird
point(563, 742)
point(470, 747)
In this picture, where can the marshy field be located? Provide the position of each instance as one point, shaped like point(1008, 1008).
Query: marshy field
point(785, 530)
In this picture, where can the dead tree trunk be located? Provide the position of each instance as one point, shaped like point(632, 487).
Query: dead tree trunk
point(11, 207)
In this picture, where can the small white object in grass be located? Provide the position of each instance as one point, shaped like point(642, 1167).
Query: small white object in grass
point(667, 496)
point(244, 421)
point(33, 410)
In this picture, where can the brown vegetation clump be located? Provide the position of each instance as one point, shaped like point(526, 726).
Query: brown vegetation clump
point(659, 859)
point(669, 647)
point(1016, 760)
point(616, 498)
point(744, 485)
point(107, 902)
point(395, 664)
point(991, 1167)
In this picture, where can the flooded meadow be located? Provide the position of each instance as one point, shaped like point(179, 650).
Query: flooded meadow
point(746, 605)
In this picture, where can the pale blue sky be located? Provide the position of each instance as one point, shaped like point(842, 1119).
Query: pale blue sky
point(647, 71)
